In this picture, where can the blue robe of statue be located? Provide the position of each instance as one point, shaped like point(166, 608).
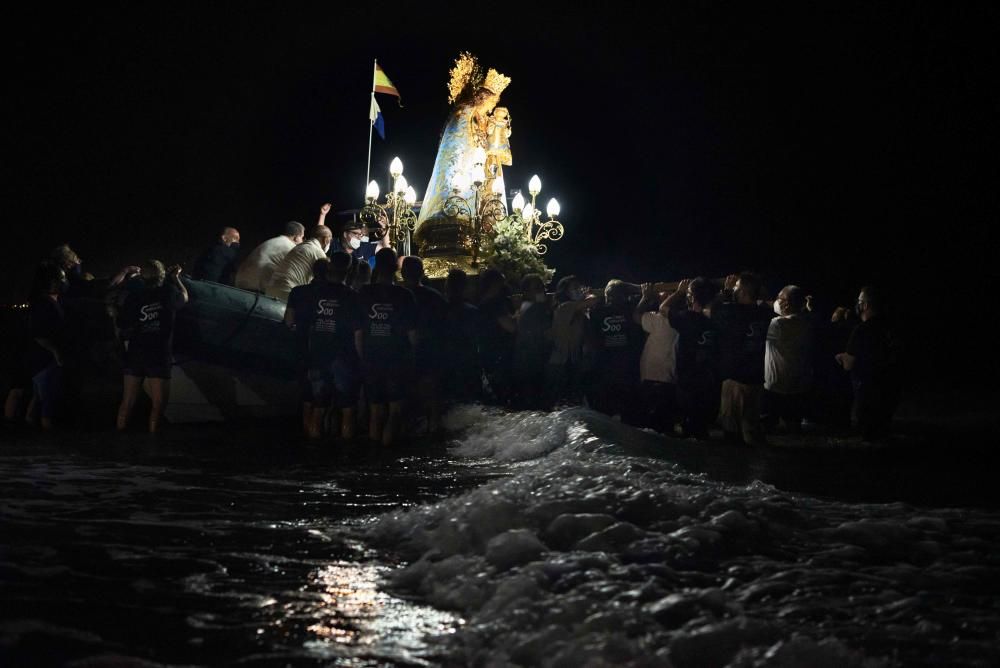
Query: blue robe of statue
point(435, 232)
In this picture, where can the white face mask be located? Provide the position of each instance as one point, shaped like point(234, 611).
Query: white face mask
point(355, 243)
point(364, 239)
point(777, 307)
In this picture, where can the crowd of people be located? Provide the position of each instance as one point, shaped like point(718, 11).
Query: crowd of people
point(380, 349)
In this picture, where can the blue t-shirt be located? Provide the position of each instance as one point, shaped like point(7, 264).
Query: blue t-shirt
point(366, 251)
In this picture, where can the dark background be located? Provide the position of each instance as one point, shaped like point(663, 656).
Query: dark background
point(830, 146)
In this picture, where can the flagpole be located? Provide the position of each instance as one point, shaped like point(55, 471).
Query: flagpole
point(371, 125)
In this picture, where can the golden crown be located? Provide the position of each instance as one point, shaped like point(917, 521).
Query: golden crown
point(495, 81)
point(468, 74)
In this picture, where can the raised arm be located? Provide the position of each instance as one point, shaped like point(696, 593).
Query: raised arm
point(126, 272)
point(648, 297)
point(323, 210)
point(175, 276)
point(677, 301)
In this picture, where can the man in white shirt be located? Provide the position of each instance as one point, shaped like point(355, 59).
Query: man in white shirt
point(297, 266)
point(658, 363)
point(788, 369)
point(255, 272)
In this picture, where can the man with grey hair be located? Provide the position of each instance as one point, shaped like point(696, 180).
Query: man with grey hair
point(788, 355)
point(255, 272)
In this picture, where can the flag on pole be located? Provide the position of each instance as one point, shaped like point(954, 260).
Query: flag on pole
point(382, 83)
point(375, 116)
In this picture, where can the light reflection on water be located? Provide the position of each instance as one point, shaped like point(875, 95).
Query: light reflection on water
point(195, 549)
point(181, 552)
point(355, 616)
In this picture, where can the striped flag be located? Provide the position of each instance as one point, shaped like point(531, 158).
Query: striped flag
point(375, 116)
point(382, 82)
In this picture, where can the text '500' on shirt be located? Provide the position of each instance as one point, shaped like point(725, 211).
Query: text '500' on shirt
point(388, 315)
point(148, 317)
point(329, 315)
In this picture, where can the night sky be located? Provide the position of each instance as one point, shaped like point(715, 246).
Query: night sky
point(829, 147)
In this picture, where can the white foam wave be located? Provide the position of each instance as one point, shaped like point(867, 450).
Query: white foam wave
point(582, 557)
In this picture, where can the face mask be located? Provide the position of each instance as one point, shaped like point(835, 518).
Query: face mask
point(235, 245)
point(364, 239)
point(76, 270)
point(63, 287)
point(777, 308)
point(355, 243)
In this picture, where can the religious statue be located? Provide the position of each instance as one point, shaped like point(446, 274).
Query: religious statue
point(497, 147)
point(445, 234)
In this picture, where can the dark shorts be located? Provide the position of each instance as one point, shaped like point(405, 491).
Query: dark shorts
point(335, 384)
point(49, 388)
point(428, 361)
point(147, 364)
point(385, 384)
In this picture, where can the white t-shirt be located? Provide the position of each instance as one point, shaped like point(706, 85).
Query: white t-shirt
point(295, 269)
point(788, 355)
point(659, 355)
point(568, 323)
point(255, 272)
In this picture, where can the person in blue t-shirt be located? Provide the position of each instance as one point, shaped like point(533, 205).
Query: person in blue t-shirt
point(326, 314)
point(386, 341)
point(147, 324)
point(354, 240)
point(430, 352)
point(742, 324)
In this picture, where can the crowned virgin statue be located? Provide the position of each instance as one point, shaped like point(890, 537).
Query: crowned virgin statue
point(477, 130)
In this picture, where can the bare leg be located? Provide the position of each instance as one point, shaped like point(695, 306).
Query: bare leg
point(347, 424)
point(314, 429)
point(11, 407)
point(307, 408)
point(129, 394)
point(376, 422)
point(392, 424)
point(159, 392)
point(31, 414)
point(430, 402)
point(434, 415)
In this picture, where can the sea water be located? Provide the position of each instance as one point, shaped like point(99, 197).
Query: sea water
point(552, 539)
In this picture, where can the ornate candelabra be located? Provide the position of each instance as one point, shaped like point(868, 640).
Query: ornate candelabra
point(537, 231)
point(483, 208)
point(395, 214)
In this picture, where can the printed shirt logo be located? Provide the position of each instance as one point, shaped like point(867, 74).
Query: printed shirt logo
point(613, 328)
point(326, 320)
point(149, 317)
point(327, 306)
point(150, 312)
point(380, 317)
